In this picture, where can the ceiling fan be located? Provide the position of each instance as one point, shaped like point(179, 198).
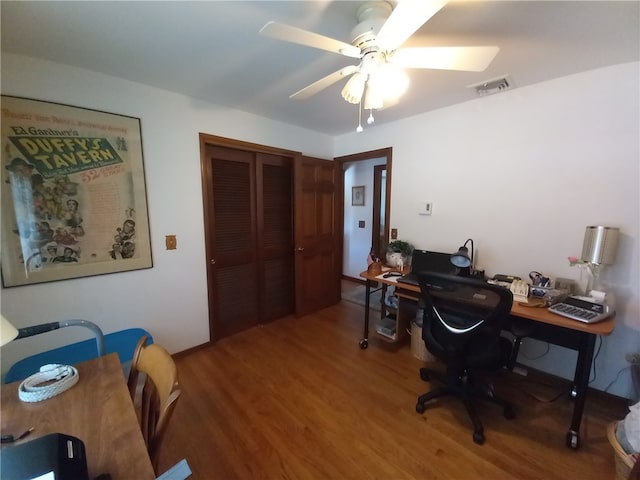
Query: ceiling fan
point(376, 41)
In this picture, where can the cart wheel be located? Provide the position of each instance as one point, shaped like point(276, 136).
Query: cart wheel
point(424, 374)
point(420, 407)
point(478, 437)
point(364, 343)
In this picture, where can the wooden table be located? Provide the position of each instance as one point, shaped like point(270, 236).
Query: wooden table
point(540, 324)
point(98, 410)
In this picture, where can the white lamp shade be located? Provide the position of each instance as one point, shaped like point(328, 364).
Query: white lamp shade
point(393, 82)
point(373, 96)
point(600, 245)
point(352, 91)
point(7, 331)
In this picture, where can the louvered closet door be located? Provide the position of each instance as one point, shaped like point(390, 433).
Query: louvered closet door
point(274, 182)
point(252, 232)
point(234, 241)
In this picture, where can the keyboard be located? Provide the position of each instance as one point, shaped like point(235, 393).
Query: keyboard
point(581, 310)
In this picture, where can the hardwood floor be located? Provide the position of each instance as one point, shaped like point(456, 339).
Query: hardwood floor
point(298, 399)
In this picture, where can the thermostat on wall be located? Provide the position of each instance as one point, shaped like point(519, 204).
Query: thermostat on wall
point(425, 208)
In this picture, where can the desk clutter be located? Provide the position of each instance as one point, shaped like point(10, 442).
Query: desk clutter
point(559, 300)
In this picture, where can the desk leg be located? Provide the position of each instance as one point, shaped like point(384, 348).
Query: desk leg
point(364, 343)
point(581, 385)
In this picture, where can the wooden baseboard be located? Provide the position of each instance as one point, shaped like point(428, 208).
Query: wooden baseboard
point(353, 279)
point(191, 350)
point(593, 395)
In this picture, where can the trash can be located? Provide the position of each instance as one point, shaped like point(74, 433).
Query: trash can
point(418, 348)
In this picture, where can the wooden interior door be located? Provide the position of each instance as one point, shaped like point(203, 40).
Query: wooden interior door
point(274, 189)
point(379, 222)
point(318, 246)
point(233, 283)
point(248, 206)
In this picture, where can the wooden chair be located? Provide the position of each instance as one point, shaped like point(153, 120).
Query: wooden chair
point(159, 393)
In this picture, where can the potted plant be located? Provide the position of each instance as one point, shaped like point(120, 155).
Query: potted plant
point(399, 253)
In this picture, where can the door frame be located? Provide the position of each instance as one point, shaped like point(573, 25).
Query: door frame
point(386, 152)
point(376, 235)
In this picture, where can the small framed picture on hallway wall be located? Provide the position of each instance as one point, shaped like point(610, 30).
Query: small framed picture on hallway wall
point(357, 196)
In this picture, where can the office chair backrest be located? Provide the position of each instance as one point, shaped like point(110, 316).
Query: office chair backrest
point(160, 392)
point(463, 316)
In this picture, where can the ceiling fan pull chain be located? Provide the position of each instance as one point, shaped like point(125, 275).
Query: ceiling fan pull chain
point(359, 129)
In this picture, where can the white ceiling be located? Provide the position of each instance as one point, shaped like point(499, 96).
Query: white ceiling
point(212, 50)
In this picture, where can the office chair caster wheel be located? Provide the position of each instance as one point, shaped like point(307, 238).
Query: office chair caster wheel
point(478, 437)
point(424, 374)
point(509, 414)
point(364, 343)
point(573, 440)
point(420, 407)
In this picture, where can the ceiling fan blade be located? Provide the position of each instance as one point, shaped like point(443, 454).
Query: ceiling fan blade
point(323, 83)
point(469, 59)
point(407, 17)
point(291, 34)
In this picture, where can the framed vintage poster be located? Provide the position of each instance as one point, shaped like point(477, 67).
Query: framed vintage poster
point(73, 193)
point(357, 196)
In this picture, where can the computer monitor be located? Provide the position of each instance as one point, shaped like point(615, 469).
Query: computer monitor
point(425, 260)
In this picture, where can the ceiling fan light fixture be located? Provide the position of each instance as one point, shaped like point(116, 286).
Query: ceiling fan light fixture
point(394, 81)
point(354, 88)
point(373, 96)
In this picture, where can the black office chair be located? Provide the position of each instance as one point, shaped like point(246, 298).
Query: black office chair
point(463, 318)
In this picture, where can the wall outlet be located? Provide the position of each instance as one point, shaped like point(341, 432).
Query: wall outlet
point(633, 358)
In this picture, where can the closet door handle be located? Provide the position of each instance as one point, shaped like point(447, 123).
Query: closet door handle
point(300, 249)
point(213, 261)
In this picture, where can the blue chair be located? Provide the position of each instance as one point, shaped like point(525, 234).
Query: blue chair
point(122, 342)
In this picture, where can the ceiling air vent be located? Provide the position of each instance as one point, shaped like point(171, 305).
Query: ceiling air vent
point(495, 85)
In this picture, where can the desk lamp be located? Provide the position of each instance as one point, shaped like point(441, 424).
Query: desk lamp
point(461, 258)
point(9, 332)
point(599, 248)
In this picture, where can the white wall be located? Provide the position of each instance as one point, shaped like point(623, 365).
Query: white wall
point(523, 173)
point(169, 300)
point(357, 241)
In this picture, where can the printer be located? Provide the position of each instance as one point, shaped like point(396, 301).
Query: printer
point(51, 457)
